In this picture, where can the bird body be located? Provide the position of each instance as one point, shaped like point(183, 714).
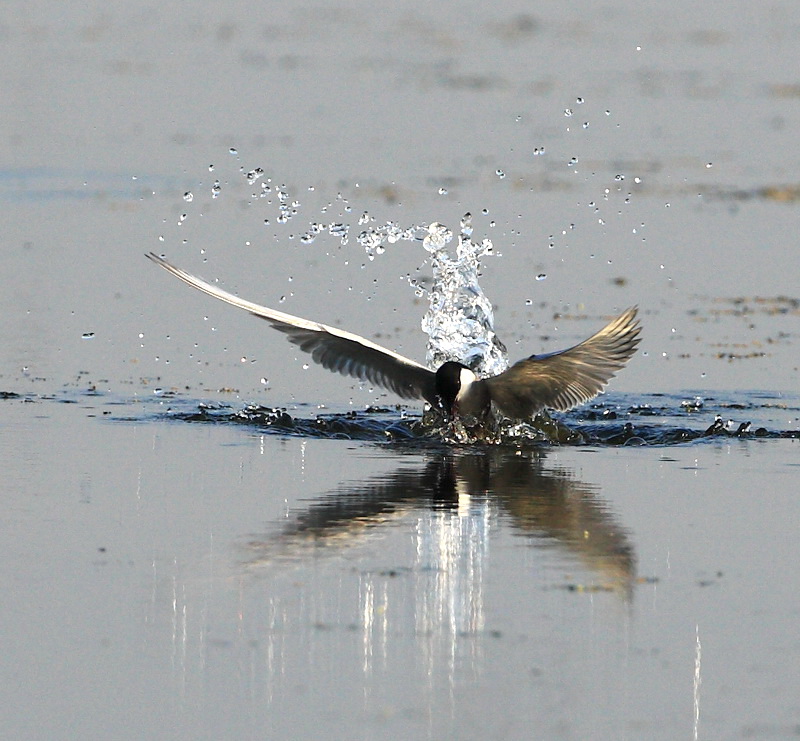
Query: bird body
point(559, 380)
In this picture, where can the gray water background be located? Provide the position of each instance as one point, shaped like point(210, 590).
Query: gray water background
point(162, 579)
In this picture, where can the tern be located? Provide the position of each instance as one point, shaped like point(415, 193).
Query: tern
point(558, 380)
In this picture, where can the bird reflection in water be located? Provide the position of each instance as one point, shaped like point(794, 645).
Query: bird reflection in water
point(457, 498)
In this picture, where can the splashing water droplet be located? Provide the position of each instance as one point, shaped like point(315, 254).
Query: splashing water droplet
point(336, 229)
point(460, 321)
point(188, 196)
point(466, 225)
point(254, 175)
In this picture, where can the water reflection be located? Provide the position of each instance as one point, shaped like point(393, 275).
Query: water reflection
point(457, 498)
point(454, 507)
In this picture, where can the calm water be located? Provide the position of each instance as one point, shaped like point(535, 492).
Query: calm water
point(182, 562)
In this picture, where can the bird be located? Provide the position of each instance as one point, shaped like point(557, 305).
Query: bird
point(558, 380)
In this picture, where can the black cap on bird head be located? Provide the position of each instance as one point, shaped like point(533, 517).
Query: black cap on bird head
point(448, 384)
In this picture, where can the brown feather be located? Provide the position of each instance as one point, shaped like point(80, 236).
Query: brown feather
point(562, 380)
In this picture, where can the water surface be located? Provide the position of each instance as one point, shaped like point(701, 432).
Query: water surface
point(182, 561)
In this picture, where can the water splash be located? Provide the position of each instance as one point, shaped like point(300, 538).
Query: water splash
point(460, 321)
point(614, 420)
point(374, 238)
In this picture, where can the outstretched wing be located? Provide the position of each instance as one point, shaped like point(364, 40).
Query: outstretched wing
point(334, 349)
point(562, 380)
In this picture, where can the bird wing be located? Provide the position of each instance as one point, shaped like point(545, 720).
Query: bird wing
point(562, 380)
point(334, 349)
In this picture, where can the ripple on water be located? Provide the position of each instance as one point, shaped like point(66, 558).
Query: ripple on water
point(659, 420)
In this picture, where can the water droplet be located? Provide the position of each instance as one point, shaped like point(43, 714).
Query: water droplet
point(88, 336)
point(233, 151)
point(579, 101)
point(585, 124)
point(442, 191)
point(211, 168)
point(709, 165)
point(541, 276)
point(568, 112)
point(254, 175)
point(499, 173)
point(305, 366)
point(573, 161)
point(528, 302)
point(265, 381)
point(538, 151)
point(188, 196)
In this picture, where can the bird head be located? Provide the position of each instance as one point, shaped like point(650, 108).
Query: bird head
point(452, 381)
